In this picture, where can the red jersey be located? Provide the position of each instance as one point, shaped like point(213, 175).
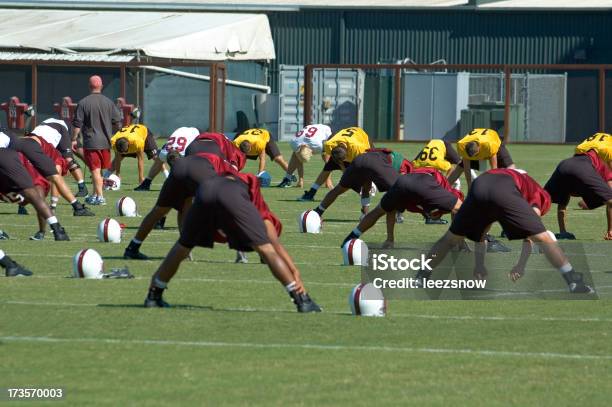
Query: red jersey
point(232, 154)
point(38, 179)
point(529, 188)
point(52, 153)
point(602, 168)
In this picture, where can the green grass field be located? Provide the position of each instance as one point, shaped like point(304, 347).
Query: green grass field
point(233, 337)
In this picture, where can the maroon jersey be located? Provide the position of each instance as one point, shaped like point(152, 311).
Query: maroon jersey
point(602, 168)
point(52, 153)
point(529, 188)
point(232, 154)
point(38, 179)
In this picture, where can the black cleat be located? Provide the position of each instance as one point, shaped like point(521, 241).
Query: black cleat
point(144, 186)
point(21, 210)
point(575, 283)
point(495, 246)
point(155, 303)
point(81, 210)
point(59, 233)
point(431, 221)
point(38, 236)
point(160, 224)
point(241, 257)
point(4, 235)
point(308, 196)
point(17, 271)
point(134, 255)
point(304, 303)
point(82, 192)
point(285, 183)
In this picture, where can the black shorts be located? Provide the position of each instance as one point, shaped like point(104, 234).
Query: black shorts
point(417, 189)
point(223, 204)
point(496, 198)
point(576, 176)
point(452, 156)
point(272, 151)
point(65, 146)
point(33, 152)
point(331, 165)
point(187, 173)
point(150, 147)
point(13, 175)
point(204, 146)
point(370, 167)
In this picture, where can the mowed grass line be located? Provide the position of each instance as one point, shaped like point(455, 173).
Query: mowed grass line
point(124, 355)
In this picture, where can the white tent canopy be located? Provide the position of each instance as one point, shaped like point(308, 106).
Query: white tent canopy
point(193, 36)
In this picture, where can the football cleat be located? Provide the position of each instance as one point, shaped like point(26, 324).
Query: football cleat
point(241, 257)
point(144, 185)
point(21, 210)
point(155, 299)
point(431, 221)
point(285, 183)
point(575, 283)
point(4, 235)
point(81, 210)
point(308, 196)
point(495, 246)
point(91, 199)
point(399, 218)
point(59, 233)
point(134, 255)
point(304, 303)
point(565, 236)
point(38, 236)
point(17, 270)
point(82, 192)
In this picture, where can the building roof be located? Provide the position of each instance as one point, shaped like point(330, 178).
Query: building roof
point(172, 35)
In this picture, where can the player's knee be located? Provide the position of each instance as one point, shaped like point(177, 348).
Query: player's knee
point(544, 237)
point(73, 165)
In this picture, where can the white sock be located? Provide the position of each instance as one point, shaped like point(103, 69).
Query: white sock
point(80, 182)
point(73, 201)
point(52, 220)
point(291, 286)
point(137, 241)
point(159, 284)
point(166, 173)
point(1, 254)
point(357, 232)
point(566, 268)
point(315, 186)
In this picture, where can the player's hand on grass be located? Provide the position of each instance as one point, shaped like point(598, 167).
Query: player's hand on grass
point(608, 236)
point(565, 236)
point(388, 244)
point(516, 273)
point(480, 273)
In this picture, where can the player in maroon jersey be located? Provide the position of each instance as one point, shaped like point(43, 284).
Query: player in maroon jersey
point(423, 190)
point(587, 176)
point(516, 201)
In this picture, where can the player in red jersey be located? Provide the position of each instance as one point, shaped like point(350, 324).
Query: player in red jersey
point(228, 209)
point(585, 175)
point(20, 182)
point(516, 201)
point(424, 190)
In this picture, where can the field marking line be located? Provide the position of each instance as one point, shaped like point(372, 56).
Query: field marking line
point(307, 346)
point(391, 314)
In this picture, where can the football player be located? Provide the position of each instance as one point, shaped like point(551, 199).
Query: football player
point(176, 193)
point(424, 190)
point(517, 201)
point(481, 144)
point(51, 165)
point(20, 182)
point(179, 140)
point(256, 143)
point(135, 141)
point(218, 144)
point(11, 267)
point(342, 148)
point(438, 154)
point(588, 174)
point(379, 166)
point(224, 210)
point(56, 133)
point(306, 141)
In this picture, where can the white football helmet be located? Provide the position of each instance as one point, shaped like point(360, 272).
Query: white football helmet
point(355, 253)
point(112, 182)
point(87, 263)
point(126, 206)
point(309, 222)
point(368, 301)
point(109, 230)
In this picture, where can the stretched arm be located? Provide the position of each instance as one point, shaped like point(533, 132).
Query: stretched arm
point(467, 172)
point(390, 229)
point(332, 195)
point(493, 161)
point(116, 168)
point(609, 216)
point(519, 269)
point(562, 217)
point(262, 161)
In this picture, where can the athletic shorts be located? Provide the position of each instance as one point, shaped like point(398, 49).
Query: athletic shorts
point(271, 150)
point(417, 189)
point(370, 167)
point(13, 175)
point(64, 147)
point(187, 173)
point(204, 146)
point(150, 147)
point(576, 176)
point(30, 148)
point(222, 206)
point(97, 159)
point(496, 198)
point(331, 165)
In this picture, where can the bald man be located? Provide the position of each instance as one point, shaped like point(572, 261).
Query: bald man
point(97, 119)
